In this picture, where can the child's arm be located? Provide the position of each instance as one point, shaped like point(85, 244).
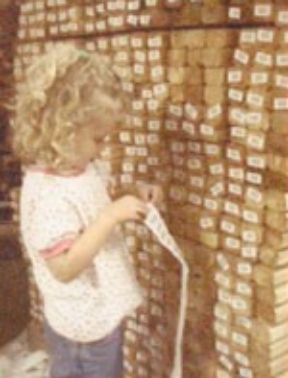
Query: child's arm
point(67, 266)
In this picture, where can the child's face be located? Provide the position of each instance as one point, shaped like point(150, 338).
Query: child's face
point(89, 143)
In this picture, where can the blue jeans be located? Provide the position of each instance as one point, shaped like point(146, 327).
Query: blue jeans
point(99, 359)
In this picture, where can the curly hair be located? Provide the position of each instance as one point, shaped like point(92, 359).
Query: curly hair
point(63, 90)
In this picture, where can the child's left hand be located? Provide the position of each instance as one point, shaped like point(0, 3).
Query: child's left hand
point(151, 193)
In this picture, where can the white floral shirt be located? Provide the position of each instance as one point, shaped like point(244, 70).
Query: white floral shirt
point(54, 210)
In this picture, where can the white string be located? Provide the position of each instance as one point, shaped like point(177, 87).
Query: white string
point(156, 224)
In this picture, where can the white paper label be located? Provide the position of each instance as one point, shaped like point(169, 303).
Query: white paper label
point(154, 55)
point(206, 130)
point(234, 154)
point(235, 94)
point(235, 76)
point(241, 359)
point(244, 288)
point(235, 189)
point(262, 10)
point(240, 339)
point(238, 132)
point(282, 60)
point(239, 304)
point(259, 78)
point(155, 42)
point(217, 189)
point(211, 204)
point(191, 111)
point(195, 199)
point(248, 37)
point(214, 111)
point(244, 268)
point(232, 243)
point(241, 56)
point(238, 115)
point(254, 118)
point(283, 17)
point(151, 3)
point(176, 110)
point(250, 216)
point(206, 222)
point(222, 261)
point(257, 161)
point(212, 149)
point(256, 141)
point(281, 81)
point(133, 5)
point(281, 103)
point(226, 362)
point(189, 128)
point(224, 296)
point(255, 99)
point(266, 36)
point(264, 59)
point(236, 173)
point(250, 251)
point(249, 236)
point(228, 227)
point(234, 13)
point(232, 208)
point(254, 195)
point(222, 347)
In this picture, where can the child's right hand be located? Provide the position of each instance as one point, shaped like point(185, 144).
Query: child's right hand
point(127, 208)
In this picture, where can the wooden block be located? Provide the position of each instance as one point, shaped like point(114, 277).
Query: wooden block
point(273, 257)
point(276, 180)
point(270, 277)
point(213, 94)
point(277, 220)
point(267, 334)
point(231, 225)
point(177, 75)
point(270, 368)
point(214, 76)
point(275, 296)
point(278, 163)
point(214, 57)
point(193, 39)
point(221, 38)
point(194, 75)
point(194, 57)
point(276, 200)
point(270, 313)
point(275, 239)
point(277, 146)
point(269, 351)
point(209, 239)
point(213, 14)
point(186, 16)
point(194, 94)
point(177, 57)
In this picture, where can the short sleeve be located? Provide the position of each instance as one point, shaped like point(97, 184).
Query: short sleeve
point(56, 225)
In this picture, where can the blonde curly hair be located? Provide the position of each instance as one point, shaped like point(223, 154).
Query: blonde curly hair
point(64, 89)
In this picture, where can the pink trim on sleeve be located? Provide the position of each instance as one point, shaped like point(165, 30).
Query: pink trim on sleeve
point(60, 247)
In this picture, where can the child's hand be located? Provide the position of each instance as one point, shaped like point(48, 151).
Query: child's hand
point(151, 193)
point(127, 208)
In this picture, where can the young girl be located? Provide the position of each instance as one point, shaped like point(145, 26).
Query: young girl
point(71, 100)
